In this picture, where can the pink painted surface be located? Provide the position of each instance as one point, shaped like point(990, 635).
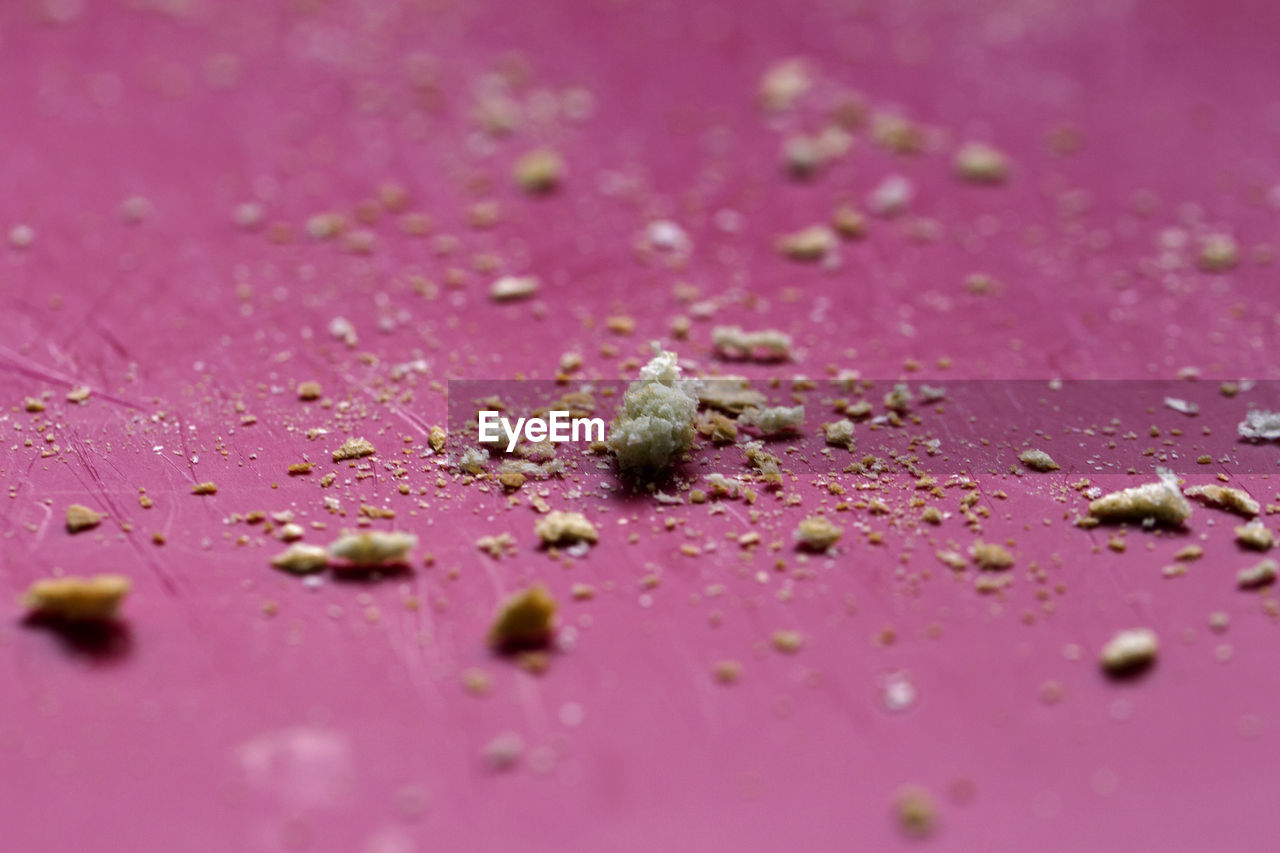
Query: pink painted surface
point(338, 722)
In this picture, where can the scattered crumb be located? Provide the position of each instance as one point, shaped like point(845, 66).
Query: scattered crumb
point(916, 812)
point(773, 420)
point(373, 549)
point(1225, 497)
point(809, 244)
point(981, 163)
point(309, 391)
point(817, 533)
point(513, 287)
point(1255, 535)
point(204, 489)
point(77, 599)
point(301, 559)
point(765, 344)
point(1257, 576)
point(1130, 651)
point(565, 528)
point(1161, 501)
point(81, 518)
point(539, 171)
point(655, 422)
point(354, 448)
point(990, 556)
point(524, 620)
point(1038, 460)
point(787, 642)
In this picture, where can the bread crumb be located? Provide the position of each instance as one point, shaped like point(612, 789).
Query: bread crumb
point(301, 559)
point(565, 528)
point(77, 599)
point(354, 448)
point(839, 433)
point(1038, 460)
point(727, 672)
point(373, 549)
point(1255, 535)
point(79, 394)
point(989, 556)
point(655, 422)
point(817, 533)
point(1130, 651)
point(787, 642)
point(524, 620)
point(773, 420)
point(512, 287)
point(1160, 501)
point(981, 163)
point(207, 488)
point(1219, 253)
point(916, 812)
point(1257, 576)
point(81, 518)
point(808, 244)
point(1260, 424)
point(33, 404)
point(1191, 552)
point(309, 391)
point(539, 172)
point(784, 83)
point(437, 438)
point(765, 345)
point(1225, 497)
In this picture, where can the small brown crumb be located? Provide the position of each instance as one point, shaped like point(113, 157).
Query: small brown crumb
point(81, 518)
point(204, 489)
point(309, 391)
point(524, 620)
point(436, 438)
point(299, 468)
point(77, 599)
point(511, 480)
point(33, 404)
point(981, 163)
point(1191, 552)
point(354, 448)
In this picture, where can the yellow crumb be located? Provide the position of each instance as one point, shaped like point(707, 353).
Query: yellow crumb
point(204, 489)
point(561, 528)
point(77, 599)
point(81, 518)
point(354, 448)
point(524, 620)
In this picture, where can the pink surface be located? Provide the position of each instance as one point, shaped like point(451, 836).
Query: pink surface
point(238, 710)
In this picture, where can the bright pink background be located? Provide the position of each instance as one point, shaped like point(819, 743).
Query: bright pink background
point(217, 728)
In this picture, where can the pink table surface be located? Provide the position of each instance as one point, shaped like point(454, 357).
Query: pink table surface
point(238, 710)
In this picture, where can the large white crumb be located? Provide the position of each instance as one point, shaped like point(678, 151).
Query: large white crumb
point(1161, 501)
point(1260, 424)
point(511, 287)
point(655, 423)
point(1225, 497)
point(301, 559)
point(773, 419)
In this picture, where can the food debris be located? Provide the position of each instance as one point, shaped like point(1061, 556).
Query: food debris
point(773, 420)
point(1255, 535)
point(981, 163)
point(1257, 576)
point(512, 287)
point(916, 812)
point(206, 488)
point(766, 344)
point(1182, 407)
point(655, 423)
point(727, 672)
point(354, 448)
point(81, 518)
point(539, 172)
point(1038, 460)
point(79, 394)
point(301, 559)
point(373, 549)
point(309, 391)
point(1129, 652)
point(839, 433)
point(1225, 497)
point(1161, 501)
point(1260, 424)
point(565, 528)
point(891, 197)
point(524, 620)
point(77, 599)
point(1219, 253)
point(808, 244)
point(818, 533)
point(990, 556)
point(787, 642)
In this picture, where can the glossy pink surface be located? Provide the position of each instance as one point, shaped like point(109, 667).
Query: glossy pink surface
point(239, 710)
